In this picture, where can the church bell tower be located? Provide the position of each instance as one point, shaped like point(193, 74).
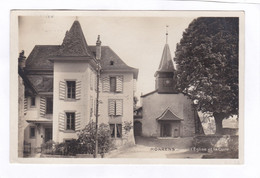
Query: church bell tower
point(165, 82)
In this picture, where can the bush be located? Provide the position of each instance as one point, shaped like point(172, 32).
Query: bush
point(86, 138)
point(48, 147)
point(85, 144)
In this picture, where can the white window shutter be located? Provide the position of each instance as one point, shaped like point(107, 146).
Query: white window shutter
point(25, 105)
point(119, 107)
point(111, 107)
point(106, 84)
point(78, 90)
point(62, 90)
point(119, 83)
point(61, 121)
point(42, 106)
point(77, 121)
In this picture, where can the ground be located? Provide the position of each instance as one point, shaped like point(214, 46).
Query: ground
point(158, 148)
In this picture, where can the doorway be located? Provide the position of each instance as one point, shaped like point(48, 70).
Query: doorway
point(166, 130)
point(137, 128)
point(48, 134)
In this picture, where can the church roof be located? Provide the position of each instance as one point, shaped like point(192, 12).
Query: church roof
point(168, 115)
point(166, 64)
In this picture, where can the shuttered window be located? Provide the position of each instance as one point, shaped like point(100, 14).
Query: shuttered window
point(49, 105)
point(70, 121)
point(71, 89)
point(32, 101)
point(115, 107)
point(113, 84)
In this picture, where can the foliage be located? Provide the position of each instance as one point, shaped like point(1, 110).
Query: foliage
point(207, 66)
point(135, 100)
point(85, 144)
point(48, 147)
point(127, 126)
point(86, 138)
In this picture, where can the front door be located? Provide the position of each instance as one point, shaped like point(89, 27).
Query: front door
point(166, 130)
point(48, 134)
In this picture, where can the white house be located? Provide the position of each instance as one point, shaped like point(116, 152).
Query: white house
point(65, 79)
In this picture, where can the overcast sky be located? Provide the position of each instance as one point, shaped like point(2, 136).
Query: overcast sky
point(139, 41)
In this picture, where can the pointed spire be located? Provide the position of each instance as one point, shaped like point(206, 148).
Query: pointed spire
point(166, 64)
point(74, 42)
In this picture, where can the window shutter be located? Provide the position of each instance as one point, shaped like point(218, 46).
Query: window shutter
point(77, 121)
point(25, 105)
point(61, 121)
point(119, 107)
point(111, 109)
point(62, 90)
point(78, 90)
point(119, 83)
point(42, 106)
point(106, 86)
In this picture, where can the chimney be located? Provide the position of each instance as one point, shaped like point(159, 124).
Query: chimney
point(21, 60)
point(98, 48)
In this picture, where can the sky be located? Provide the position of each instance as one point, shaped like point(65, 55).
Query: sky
point(137, 40)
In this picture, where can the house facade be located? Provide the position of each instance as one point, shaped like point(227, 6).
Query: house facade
point(166, 112)
point(65, 78)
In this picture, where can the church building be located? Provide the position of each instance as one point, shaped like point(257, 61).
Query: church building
point(166, 112)
point(64, 78)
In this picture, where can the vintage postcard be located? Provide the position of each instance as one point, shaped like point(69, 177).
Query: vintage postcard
point(129, 87)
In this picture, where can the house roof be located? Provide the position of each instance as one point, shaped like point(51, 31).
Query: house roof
point(168, 115)
point(74, 43)
point(38, 58)
point(74, 46)
point(110, 61)
point(166, 64)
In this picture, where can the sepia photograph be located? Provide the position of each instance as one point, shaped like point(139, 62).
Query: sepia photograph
point(135, 85)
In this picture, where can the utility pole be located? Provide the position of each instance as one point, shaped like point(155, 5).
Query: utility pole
point(98, 57)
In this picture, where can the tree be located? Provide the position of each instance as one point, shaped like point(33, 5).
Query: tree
point(207, 66)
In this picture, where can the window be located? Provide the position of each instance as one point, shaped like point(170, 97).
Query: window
point(115, 107)
point(71, 89)
point(70, 121)
point(32, 101)
point(32, 132)
point(116, 130)
point(49, 105)
point(112, 84)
